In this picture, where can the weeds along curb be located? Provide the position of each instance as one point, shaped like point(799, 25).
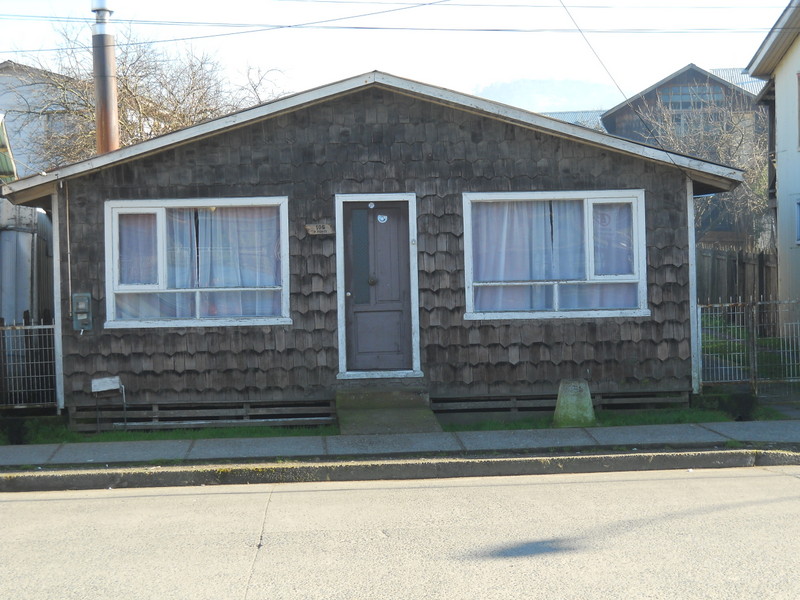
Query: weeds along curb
point(348, 470)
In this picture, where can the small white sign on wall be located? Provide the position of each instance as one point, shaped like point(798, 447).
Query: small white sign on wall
point(319, 229)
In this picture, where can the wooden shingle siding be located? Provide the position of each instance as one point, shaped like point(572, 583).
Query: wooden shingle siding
point(376, 141)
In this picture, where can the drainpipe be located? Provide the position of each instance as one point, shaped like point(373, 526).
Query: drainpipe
point(105, 79)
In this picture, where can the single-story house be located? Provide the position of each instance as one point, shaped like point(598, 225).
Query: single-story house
point(373, 232)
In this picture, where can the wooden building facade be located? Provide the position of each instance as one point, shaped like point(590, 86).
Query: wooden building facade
point(373, 232)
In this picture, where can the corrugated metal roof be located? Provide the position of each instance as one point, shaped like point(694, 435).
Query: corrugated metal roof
point(584, 118)
point(8, 171)
point(740, 78)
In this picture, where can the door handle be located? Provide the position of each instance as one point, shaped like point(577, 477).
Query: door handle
point(348, 294)
point(372, 281)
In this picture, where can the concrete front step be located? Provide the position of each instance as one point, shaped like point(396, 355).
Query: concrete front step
point(362, 421)
point(381, 398)
point(371, 411)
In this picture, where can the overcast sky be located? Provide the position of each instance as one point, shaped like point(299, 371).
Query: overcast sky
point(529, 53)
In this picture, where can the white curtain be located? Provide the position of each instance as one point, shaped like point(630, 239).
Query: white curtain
point(226, 248)
point(138, 265)
point(612, 233)
point(525, 241)
point(540, 241)
point(239, 247)
point(138, 249)
point(613, 239)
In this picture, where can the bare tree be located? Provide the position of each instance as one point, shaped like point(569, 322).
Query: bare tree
point(158, 92)
point(730, 130)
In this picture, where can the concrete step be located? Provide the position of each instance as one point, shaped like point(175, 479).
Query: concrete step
point(381, 398)
point(371, 411)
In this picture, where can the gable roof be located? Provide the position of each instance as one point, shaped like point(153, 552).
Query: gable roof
point(690, 67)
point(710, 177)
point(777, 43)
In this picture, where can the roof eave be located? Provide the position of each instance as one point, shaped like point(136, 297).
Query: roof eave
point(696, 168)
point(775, 45)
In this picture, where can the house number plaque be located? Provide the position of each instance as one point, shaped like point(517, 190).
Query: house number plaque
point(319, 229)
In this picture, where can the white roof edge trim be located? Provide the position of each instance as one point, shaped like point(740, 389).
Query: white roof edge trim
point(192, 132)
point(567, 129)
point(758, 66)
point(458, 99)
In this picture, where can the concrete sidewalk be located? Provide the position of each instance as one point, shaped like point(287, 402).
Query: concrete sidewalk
point(705, 435)
point(392, 456)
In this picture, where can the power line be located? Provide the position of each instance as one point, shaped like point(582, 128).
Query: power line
point(551, 30)
point(624, 95)
point(325, 24)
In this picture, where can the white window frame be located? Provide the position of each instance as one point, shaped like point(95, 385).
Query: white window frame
point(590, 198)
point(797, 223)
point(113, 208)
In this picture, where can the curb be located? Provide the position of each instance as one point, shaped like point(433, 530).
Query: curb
point(425, 468)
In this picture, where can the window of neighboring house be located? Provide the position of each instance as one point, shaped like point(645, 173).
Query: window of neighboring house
point(551, 255)
point(797, 111)
point(176, 263)
point(687, 97)
point(797, 222)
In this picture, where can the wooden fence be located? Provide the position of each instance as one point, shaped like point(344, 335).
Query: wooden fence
point(726, 275)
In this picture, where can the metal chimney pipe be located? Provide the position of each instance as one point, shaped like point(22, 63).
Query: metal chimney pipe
point(105, 79)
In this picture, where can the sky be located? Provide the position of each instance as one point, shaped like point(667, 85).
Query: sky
point(541, 55)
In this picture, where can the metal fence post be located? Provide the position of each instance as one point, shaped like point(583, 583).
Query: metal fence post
point(752, 344)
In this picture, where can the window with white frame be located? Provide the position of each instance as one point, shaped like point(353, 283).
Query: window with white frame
point(797, 222)
point(559, 254)
point(197, 262)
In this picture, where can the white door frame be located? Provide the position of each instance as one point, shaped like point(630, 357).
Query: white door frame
point(411, 200)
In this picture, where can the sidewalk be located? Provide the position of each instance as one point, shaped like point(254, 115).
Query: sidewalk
point(131, 464)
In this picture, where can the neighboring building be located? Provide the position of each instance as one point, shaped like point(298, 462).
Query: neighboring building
point(681, 95)
point(29, 113)
point(374, 232)
point(777, 61)
point(26, 291)
point(690, 111)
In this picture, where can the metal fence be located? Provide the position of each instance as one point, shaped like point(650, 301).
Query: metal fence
point(755, 342)
point(27, 366)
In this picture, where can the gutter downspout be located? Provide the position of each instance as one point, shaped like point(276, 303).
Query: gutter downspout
point(694, 309)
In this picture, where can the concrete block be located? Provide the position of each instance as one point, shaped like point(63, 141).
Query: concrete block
point(574, 404)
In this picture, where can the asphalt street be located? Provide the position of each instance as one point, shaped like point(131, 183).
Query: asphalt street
point(693, 533)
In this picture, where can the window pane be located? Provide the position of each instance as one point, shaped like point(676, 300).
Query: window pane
point(240, 304)
point(513, 298)
point(613, 239)
point(569, 257)
point(181, 249)
point(590, 296)
point(359, 269)
point(138, 249)
point(155, 306)
point(239, 246)
point(528, 241)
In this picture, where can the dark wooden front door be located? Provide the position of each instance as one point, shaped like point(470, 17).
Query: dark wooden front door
point(377, 297)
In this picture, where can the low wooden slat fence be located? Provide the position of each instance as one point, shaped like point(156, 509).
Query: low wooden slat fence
point(109, 413)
